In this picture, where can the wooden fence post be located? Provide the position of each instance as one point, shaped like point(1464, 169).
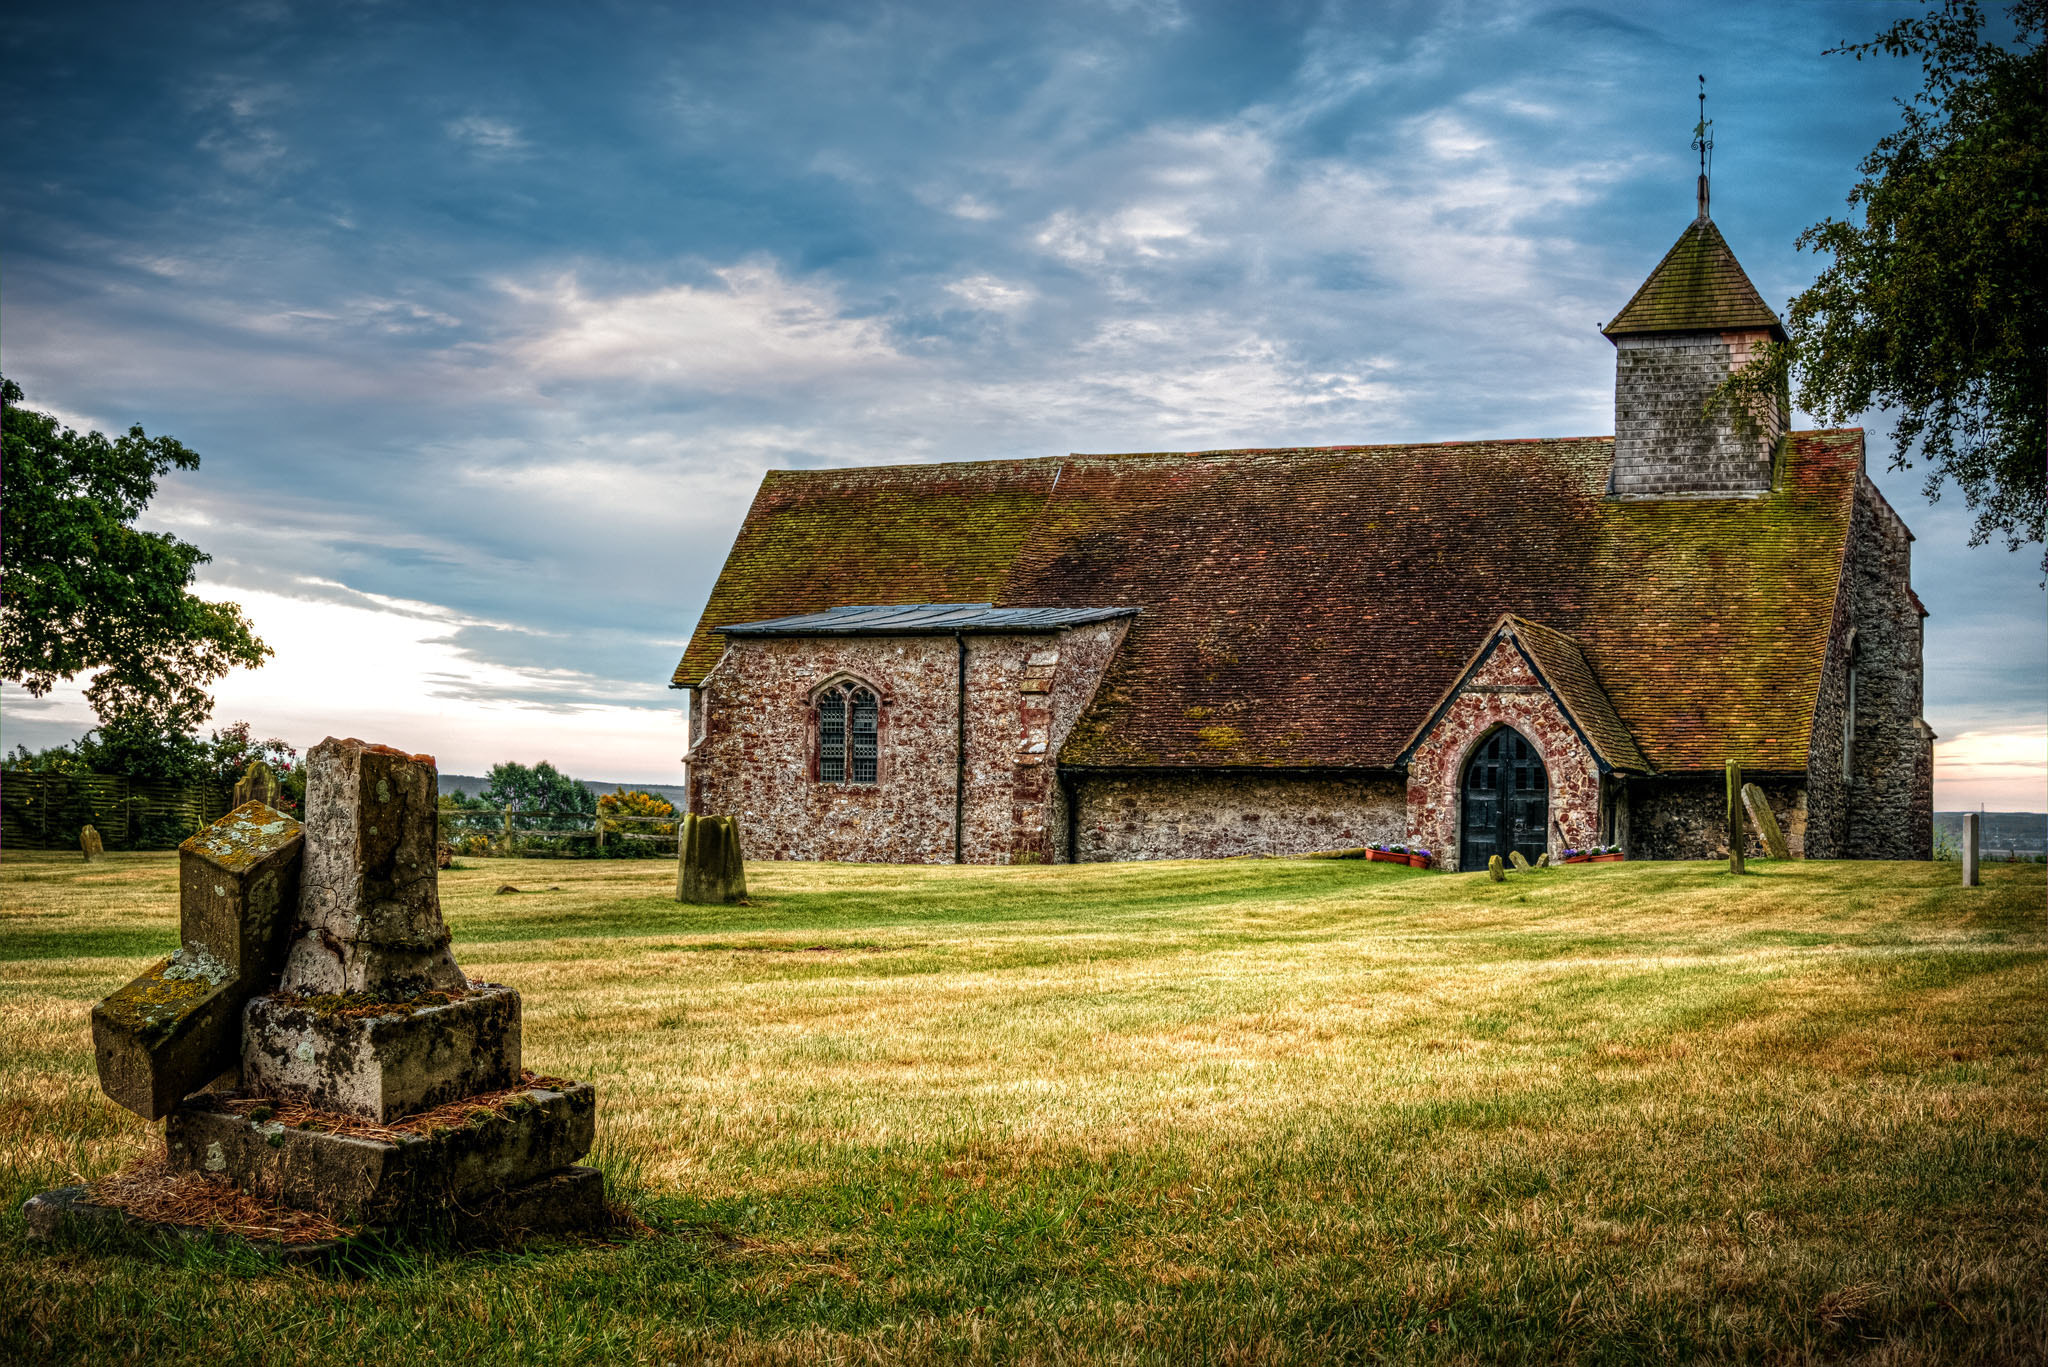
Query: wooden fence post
point(1971, 875)
point(1735, 831)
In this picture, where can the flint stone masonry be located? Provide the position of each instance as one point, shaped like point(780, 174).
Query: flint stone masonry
point(1883, 808)
point(178, 1026)
point(1661, 447)
point(381, 1061)
point(1222, 816)
point(1685, 816)
point(370, 906)
point(754, 744)
point(339, 1175)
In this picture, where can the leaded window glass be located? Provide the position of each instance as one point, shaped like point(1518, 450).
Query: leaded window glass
point(832, 737)
point(849, 719)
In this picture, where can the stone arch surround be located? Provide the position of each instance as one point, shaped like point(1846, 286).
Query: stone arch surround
point(1503, 691)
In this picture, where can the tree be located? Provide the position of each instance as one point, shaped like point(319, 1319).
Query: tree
point(1936, 305)
point(84, 590)
point(540, 790)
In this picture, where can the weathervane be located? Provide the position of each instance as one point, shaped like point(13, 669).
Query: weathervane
point(1703, 143)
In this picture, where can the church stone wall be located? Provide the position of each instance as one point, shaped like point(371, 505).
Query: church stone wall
point(1685, 816)
point(1218, 816)
point(1661, 447)
point(1890, 795)
point(1503, 691)
point(754, 744)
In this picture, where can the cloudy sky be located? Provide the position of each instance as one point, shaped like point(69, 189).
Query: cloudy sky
point(487, 319)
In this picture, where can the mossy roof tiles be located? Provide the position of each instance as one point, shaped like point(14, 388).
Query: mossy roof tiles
point(1306, 608)
point(1562, 664)
point(1699, 286)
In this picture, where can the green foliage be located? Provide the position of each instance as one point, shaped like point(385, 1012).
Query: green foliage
point(1936, 305)
point(540, 790)
point(613, 806)
point(84, 590)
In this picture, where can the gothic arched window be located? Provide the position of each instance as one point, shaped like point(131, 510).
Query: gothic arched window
point(847, 718)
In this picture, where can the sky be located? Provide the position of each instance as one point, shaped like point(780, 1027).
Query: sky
point(486, 320)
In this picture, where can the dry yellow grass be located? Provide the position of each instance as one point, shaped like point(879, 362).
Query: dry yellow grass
point(1250, 1110)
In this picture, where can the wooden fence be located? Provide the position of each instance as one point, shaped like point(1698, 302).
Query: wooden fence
point(45, 811)
point(507, 831)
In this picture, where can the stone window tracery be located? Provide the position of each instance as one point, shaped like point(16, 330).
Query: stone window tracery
point(848, 719)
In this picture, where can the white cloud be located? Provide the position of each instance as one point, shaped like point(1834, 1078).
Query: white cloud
point(487, 136)
point(754, 329)
point(987, 292)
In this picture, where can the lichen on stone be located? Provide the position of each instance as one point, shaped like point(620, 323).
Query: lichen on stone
point(196, 963)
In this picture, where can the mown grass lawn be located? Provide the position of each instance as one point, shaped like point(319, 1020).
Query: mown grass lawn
point(1247, 1111)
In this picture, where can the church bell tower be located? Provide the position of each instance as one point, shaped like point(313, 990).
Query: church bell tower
point(1694, 322)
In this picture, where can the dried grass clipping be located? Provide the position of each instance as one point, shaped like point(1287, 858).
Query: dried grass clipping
point(296, 1115)
point(149, 1190)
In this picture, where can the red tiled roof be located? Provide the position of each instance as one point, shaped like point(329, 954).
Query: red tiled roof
point(1699, 286)
point(1562, 664)
point(1306, 608)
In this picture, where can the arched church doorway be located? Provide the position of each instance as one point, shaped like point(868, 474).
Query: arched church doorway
point(1505, 801)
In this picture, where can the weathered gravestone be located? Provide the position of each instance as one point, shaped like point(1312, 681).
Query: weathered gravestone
point(366, 1024)
point(1519, 860)
point(89, 843)
point(710, 870)
point(1766, 821)
point(1971, 877)
point(259, 784)
point(1494, 870)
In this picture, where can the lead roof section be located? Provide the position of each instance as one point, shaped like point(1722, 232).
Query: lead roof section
point(925, 619)
point(1699, 286)
point(1306, 608)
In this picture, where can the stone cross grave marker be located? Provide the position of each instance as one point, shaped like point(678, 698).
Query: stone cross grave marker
point(372, 1017)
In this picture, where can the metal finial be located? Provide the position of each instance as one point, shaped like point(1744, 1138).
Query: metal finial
point(1703, 143)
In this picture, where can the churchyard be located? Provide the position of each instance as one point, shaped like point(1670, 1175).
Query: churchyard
point(1247, 1110)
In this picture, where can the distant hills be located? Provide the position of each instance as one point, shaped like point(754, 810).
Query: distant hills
point(2020, 832)
point(473, 785)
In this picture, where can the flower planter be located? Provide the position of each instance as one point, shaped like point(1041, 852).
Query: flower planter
point(1381, 857)
point(1605, 858)
point(1578, 859)
point(1415, 861)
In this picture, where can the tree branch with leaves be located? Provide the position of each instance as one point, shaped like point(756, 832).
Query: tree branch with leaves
point(82, 590)
point(1935, 305)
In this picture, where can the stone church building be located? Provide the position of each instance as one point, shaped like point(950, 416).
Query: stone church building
point(1471, 646)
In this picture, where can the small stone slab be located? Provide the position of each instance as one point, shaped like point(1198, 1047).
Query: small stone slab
point(68, 1213)
point(1765, 820)
point(382, 1060)
point(568, 1201)
point(1519, 860)
point(89, 844)
point(177, 1026)
point(1494, 871)
point(373, 1179)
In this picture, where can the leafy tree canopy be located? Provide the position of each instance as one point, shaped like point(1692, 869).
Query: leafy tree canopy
point(134, 746)
point(84, 590)
point(540, 789)
point(1936, 304)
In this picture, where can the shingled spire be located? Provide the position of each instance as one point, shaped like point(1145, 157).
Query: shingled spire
point(1696, 320)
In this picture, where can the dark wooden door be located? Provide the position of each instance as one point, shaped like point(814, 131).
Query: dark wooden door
point(1505, 801)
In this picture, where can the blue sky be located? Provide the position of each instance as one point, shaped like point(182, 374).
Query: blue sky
point(487, 319)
